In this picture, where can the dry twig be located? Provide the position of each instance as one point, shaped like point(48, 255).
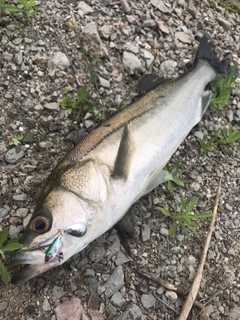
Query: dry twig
point(196, 283)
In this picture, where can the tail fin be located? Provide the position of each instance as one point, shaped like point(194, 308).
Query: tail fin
point(205, 51)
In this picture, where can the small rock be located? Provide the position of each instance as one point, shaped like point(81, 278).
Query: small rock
point(171, 295)
point(20, 197)
point(145, 233)
point(149, 23)
point(95, 315)
point(130, 47)
point(58, 292)
point(105, 31)
point(18, 58)
point(91, 41)
point(125, 6)
point(115, 282)
point(103, 82)
point(160, 5)
point(14, 231)
point(46, 305)
point(69, 310)
point(59, 60)
point(148, 300)
point(168, 66)
point(132, 312)
point(4, 211)
point(52, 106)
point(193, 10)
point(183, 37)
point(14, 155)
point(131, 62)
point(224, 23)
point(7, 56)
point(121, 259)
point(3, 305)
point(84, 8)
point(97, 254)
point(93, 302)
point(117, 300)
point(195, 186)
point(3, 147)
point(100, 290)
point(29, 309)
point(163, 27)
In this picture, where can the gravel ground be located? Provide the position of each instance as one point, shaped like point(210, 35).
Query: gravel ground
point(39, 58)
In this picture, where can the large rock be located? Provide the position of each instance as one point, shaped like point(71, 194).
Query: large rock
point(92, 43)
point(69, 310)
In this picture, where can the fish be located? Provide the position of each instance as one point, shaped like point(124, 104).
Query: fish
point(116, 164)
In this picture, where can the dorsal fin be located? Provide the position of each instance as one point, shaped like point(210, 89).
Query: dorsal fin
point(149, 82)
point(124, 155)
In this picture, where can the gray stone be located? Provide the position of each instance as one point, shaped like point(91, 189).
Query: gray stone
point(131, 61)
point(103, 82)
point(224, 23)
point(20, 197)
point(58, 292)
point(100, 290)
point(14, 231)
point(14, 155)
point(97, 254)
point(149, 23)
point(3, 305)
point(132, 312)
point(125, 6)
point(91, 41)
point(121, 259)
point(145, 233)
point(7, 56)
point(46, 305)
point(168, 66)
point(105, 31)
point(195, 186)
point(3, 147)
point(148, 300)
point(4, 211)
point(130, 47)
point(52, 106)
point(84, 8)
point(171, 295)
point(117, 300)
point(69, 310)
point(183, 37)
point(115, 282)
point(18, 58)
point(59, 60)
point(162, 26)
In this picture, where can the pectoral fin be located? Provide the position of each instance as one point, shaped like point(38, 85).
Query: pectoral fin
point(206, 98)
point(124, 155)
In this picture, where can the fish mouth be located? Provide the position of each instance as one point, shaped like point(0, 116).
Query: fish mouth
point(34, 261)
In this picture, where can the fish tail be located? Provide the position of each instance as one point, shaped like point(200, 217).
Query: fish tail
point(205, 51)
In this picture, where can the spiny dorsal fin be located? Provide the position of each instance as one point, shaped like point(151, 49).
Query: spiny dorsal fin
point(124, 155)
point(149, 82)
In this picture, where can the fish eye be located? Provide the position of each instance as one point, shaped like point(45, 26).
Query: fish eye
point(39, 224)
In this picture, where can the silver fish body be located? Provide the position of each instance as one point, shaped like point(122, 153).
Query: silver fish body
point(115, 165)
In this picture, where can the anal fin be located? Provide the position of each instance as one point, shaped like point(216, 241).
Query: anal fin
point(124, 155)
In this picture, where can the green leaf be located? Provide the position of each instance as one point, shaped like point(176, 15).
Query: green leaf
point(3, 272)
point(13, 240)
point(165, 212)
point(12, 247)
point(192, 204)
point(201, 215)
point(178, 181)
point(2, 254)
point(170, 186)
point(3, 236)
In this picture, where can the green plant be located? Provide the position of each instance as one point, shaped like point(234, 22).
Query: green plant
point(221, 90)
point(11, 245)
point(227, 135)
point(173, 170)
point(182, 215)
point(76, 102)
point(15, 139)
point(28, 7)
point(206, 144)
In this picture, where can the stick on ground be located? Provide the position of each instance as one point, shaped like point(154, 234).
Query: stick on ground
point(196, 283)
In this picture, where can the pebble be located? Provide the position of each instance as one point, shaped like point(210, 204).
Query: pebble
point(14, 155)
point(103, 82)
point(69, 310)
point(97, 254)
point(117, 300)
point(52, 106)
point(131, 62)
point(148, 300)
point(183, 37)
point(132, 312)
point(91, 41)
point(20, 197)
point(105, 31)
point(59, 60)
point(46, 305)
point(168, 66)
point(3, 305)
point(171, 295)
point(18, 58)
point(145, 233)
point(159, 4)
point(121, 259)
point(84, 8)
point(115, 282)
point(4, 211)
point(58, 292)
point(224, 23)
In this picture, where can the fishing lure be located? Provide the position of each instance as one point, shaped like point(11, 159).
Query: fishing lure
point(52, 251)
